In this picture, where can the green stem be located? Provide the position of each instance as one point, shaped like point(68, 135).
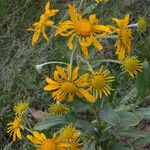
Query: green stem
point(85, 61)
point(72, 57)
point(38, 67)
point(109, 60)
point(54, 26)
point(80, 5)
point(30, 131)
point(111, 37)
point(96, 114)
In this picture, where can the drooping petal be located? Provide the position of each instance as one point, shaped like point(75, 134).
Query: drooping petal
point(70, 41)
point(88, 96)
point(35, 37)
point(97, 44)
point(85, 52)
point(44, 34)
point(70, 97)
point(18, 133)
point(85, 41)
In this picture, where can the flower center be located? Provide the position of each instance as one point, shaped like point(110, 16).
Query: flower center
point(68, 87)
point(48, 144)
point(67, 133)
point(142, 24)
point(98, 82)
point(130, 64)
point(84, 27)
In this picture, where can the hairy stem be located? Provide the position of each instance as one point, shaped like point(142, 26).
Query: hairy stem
point(110, 60)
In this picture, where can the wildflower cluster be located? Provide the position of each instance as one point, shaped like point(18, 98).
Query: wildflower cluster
point(15, 127)
point(71, 83)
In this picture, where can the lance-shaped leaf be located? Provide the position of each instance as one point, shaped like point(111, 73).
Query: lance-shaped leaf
point(109, 115)
point(49, 122)
point(128, 119)
point(144, 113)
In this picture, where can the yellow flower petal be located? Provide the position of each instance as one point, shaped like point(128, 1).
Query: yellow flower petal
point(126, 20)
point(49, 22)
point(44, 34)
point(51, 87)
point(88, 96)
point(70, 44)
point(61, 72)
point(50, 81)
point(85, 52)
point(47, 6)
point(35, 37)
point(93, 19)
point(69, 71)
point(73, 13)
point(97, 44)
point(75, 73)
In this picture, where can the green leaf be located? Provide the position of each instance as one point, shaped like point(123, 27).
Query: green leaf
point(140, 137)
point(89, 146)
point(134, 134)
point(105, 136)
point(109, 115)
point(8, 146)
point(89, 9)
point(49, 122)
point(143, 79)
point(145, 140)
point(144, 113)
point(80, 106)
point(87, 127)
point(118, 146)
point(128, 119)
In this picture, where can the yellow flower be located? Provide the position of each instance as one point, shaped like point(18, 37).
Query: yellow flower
point(85, 30)
point(103, 1)
point(20, 107)
point(58, 109)
point(15, 127)
point(142, 24)
point(100, 82)
point(39, 27)
point(132, 65)
point(65, 84)
point(123, 43)
point(42, 143)
point(71, 135)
